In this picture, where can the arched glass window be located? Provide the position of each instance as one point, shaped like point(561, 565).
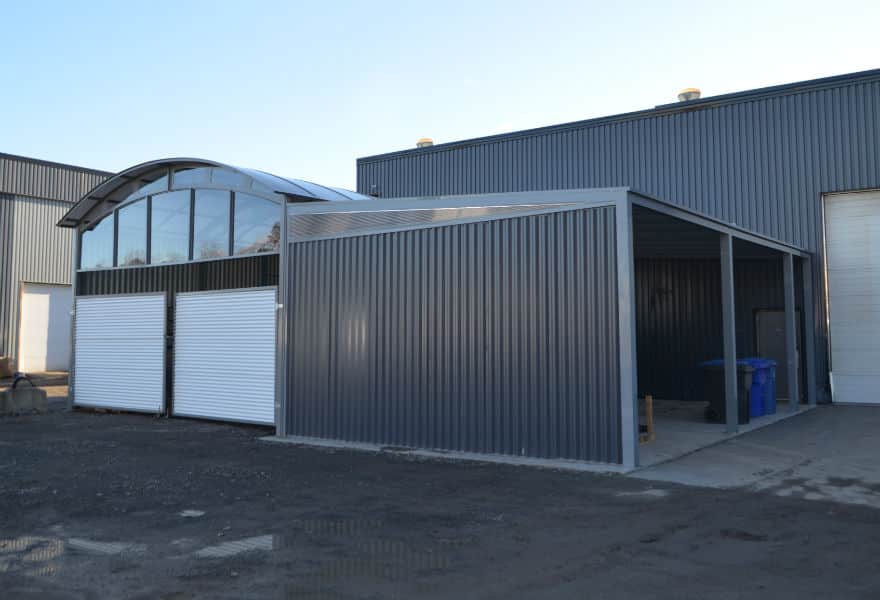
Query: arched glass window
point(131, 247)
point(209, 177)
point(211, 226)
point(153, 187)
point(256, 225)
point(169, 227)
point(183, 225)
point(96, 246)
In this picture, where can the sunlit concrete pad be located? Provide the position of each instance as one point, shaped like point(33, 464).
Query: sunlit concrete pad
point(829, 454)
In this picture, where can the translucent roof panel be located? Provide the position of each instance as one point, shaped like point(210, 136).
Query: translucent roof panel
point(115, 189)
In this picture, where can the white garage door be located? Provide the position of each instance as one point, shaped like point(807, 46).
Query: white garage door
point(44, 327)
point(224, 355)
point(852, 241)
point(119, 352)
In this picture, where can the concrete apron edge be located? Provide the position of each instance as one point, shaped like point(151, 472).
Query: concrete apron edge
point(726, 437)
point(453, 456)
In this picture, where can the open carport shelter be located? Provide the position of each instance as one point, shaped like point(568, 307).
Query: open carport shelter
point(496, 325)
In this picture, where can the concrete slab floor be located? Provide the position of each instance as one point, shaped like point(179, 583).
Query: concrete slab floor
point(829, 453)
point(681, 428)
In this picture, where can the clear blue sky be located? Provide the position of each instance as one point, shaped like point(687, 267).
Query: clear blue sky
point(304, 88)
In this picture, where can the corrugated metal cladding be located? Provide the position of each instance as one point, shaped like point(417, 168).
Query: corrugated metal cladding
point(759, 161)
point(252, 271)
point(493, 337)
point(40, 179)
point(678, 318)
point(32, 249)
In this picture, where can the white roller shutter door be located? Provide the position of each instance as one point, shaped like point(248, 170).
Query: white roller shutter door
point(224, 355)
point(119, 352)
point(852, 243)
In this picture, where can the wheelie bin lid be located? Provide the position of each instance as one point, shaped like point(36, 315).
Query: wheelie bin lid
point(718, 363)
point(759, 363)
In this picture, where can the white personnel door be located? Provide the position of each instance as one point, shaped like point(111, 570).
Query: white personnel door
point(852, 244)
point(119, 352)
point(224, 355)
point(44, 327)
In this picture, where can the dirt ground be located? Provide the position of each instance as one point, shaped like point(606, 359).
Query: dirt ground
point(126, 506)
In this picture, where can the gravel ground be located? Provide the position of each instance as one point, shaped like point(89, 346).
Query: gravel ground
point(127, 506)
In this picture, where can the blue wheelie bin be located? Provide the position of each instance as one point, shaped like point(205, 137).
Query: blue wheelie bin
point(762, 395)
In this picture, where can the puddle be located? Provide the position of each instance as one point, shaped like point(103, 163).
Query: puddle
point(104, 548)
point(348, 549)
point(351, 549)
point(30, 555)
point(235, 547)
point(651, 493)
point(337, 527)
point(38, 556)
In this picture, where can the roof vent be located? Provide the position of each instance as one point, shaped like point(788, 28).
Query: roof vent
point(424, 143)
point(688, 94)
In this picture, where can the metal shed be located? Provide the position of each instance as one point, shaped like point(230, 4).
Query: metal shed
point(500, 326)
point(496, 325)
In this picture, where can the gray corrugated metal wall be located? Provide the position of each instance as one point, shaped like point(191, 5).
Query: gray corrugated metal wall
point(252, 271)
point(33, 250)
point(23, 176)
point(678, 318)
point(493, 337)
point(761, 162)
point(34, 195)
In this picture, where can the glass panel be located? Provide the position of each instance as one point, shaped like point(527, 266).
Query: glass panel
point(96, 251)
point(209, 176)
point(159, 185)
point(132, 245)
point(257, 225)
point(229, 179)
point(169, 227)
point(192, 177)
point(211, 231)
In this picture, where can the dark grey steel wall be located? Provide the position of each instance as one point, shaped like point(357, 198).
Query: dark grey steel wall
point(493, 337)
point(678, 318)
point(252, 271)
point(24, 176)
point(760, 160)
